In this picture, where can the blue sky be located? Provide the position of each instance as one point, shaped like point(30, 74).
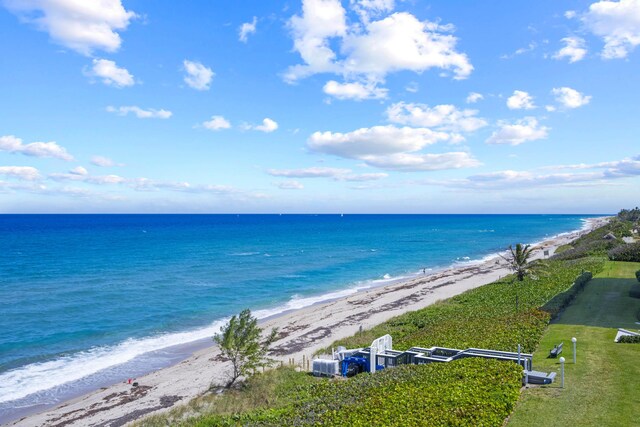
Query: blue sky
point(319, 106)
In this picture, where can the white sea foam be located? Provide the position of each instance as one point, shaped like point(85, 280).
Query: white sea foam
point(20, 382)
point(297, 302)
point(38, 377)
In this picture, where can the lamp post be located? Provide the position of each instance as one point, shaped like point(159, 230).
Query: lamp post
point(574, 340)
point(562, 372)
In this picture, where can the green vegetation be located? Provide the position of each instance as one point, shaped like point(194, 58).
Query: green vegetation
point(519, 260)
point(559, 302)
point(629, 340)
point(632, 215)
point(239, 342)
point(595, 243)
point(483, 317)
point(629, 252)
point(468, 392)
point(601, 389)
point(563, 248)
point(465, 393)
point(638, 275)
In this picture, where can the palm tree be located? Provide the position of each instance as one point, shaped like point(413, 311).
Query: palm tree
point(519, 262)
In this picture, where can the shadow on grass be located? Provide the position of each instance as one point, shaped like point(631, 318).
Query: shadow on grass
point(604, 302)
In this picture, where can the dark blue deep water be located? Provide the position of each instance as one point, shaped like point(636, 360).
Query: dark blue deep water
point(89, 299)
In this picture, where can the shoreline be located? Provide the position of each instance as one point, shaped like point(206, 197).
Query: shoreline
point(303, 331)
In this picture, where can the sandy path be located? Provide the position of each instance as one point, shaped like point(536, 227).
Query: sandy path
point(303, 332)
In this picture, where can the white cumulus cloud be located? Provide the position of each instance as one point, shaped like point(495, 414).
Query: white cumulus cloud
point(246, 29)
point(374, 141)
point(474, 97)
point(111, 74)
point(139, 112)
point(570, 98)
point(371, 8)
point(520, 100)
point(313, 172)
point(290, 185)
point(618, 23)
point(79, 170)
point(442, 117)
point(12, 144)
point(402, 42)
point(268, 125)
point(337, 174)
point(321, 20)
point(26, 173)
point(104, 162)
point(410, 162)
point(391, 147)
point(362, 177)
point(511, 179)
point(570, 14)
point(356, 90)
point(217, 123)
point(574, 49)
point(198, 76)
point(368, 50)
point(527, 129)
point(83, 26)
point(80, 174)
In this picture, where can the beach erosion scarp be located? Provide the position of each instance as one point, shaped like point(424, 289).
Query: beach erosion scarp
point(302, 333)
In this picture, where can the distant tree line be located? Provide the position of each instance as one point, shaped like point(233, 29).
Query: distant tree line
point(630, 214)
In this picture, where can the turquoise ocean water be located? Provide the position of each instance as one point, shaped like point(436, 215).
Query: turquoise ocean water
point(89, 300)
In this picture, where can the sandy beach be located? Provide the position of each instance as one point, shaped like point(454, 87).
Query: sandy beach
point(302, 333)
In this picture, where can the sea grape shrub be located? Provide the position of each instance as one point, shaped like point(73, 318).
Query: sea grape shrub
point(587, 248)
point(629, 252)
point(484, 317)
point(469, 392)
point(629, 340)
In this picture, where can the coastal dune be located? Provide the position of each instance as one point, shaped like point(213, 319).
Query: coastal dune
point(302, 333)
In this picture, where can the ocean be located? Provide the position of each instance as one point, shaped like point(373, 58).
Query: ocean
point(90, 300)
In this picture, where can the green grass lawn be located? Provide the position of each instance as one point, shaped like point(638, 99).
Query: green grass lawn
point(603, 388)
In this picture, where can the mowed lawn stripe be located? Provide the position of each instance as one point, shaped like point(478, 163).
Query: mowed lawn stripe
point(602, 389)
